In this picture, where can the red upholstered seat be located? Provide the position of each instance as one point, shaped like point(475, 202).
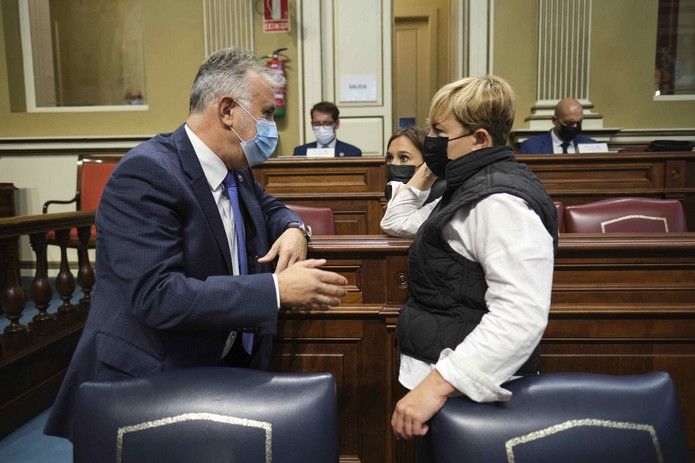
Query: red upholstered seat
point(617, 215)
point(319, 218)
point(560, 216)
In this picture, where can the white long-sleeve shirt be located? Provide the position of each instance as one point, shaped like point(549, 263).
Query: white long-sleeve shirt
point(509, 241)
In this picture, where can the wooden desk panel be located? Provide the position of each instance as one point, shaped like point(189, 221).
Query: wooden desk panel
point(622, 304)
point(353, 188)
point(332, 175)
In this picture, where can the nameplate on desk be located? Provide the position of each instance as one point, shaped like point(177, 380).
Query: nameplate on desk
point(592, 147)
point(320, 152)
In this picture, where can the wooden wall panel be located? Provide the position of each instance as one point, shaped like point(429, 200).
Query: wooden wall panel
point(349, 343)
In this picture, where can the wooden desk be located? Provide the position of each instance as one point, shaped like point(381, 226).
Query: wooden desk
point(576, 179)
point(621, 304)
point(353, 188)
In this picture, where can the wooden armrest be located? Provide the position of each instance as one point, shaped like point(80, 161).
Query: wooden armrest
point(59, 201)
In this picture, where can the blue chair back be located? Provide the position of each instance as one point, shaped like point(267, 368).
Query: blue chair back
point(209, 414)
point(577, 417)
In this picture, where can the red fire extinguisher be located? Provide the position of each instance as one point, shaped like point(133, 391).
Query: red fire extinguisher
point(276, 63)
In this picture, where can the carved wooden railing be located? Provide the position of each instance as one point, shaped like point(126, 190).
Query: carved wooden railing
point(17, 336)
point(35, 355)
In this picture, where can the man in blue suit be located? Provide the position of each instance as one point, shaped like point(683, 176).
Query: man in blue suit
point(565, 134)
point(325, 120)
point(186, 240)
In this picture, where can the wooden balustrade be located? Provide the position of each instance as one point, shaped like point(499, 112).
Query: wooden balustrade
point(17, 335)
point(34, 356)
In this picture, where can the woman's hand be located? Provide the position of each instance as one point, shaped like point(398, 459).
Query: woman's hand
point(416, 408)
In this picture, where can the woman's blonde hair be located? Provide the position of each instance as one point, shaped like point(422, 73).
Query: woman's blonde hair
point(477, 102)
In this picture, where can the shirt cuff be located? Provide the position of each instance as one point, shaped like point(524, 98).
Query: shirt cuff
point(469, 380)
point(277, 289)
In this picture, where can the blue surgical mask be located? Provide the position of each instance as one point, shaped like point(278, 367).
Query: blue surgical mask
point(259, 148)
point(324, 134)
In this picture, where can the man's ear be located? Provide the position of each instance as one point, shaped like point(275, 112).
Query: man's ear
point(337, 124)
point(224, 110)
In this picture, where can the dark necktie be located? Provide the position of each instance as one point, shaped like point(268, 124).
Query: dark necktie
point(565, 145)
point(230, 183)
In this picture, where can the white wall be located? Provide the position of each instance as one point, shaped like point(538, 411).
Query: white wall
point(40, 178)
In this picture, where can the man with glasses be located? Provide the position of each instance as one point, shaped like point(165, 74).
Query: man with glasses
point(325, 122)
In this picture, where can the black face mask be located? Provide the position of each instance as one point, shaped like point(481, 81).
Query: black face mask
point(434, 152)
point(397, 173)
point(567, 133)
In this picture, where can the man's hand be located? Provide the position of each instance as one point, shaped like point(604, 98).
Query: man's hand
point(416, 408)
point(289, 248)
point(304, 284)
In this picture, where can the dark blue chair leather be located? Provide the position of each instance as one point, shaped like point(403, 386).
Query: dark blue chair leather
point(209, 415)
point(566, 417)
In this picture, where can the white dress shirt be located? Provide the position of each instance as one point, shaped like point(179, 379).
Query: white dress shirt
point(215, 172)
point(557, 144)
point(509, 241)
point(330, 145)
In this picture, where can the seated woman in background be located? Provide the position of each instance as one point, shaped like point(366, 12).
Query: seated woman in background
point(480, 268)
point(403, 157)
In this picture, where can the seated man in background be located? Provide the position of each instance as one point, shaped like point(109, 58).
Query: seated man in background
point(565, 134)
point(325, 121)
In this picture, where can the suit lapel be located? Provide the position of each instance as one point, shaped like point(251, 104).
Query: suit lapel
point(201, 189)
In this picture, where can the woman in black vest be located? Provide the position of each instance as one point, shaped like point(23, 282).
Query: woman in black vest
point(481, 264)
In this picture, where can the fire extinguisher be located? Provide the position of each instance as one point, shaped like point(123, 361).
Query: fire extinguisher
point(276, 63)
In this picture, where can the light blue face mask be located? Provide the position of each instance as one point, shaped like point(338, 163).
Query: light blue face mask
point(259, 148)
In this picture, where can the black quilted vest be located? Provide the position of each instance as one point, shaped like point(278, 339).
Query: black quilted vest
point(447, 291)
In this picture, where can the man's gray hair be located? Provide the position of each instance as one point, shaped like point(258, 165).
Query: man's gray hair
point(226, 72)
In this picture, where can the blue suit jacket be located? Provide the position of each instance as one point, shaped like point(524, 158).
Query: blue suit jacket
point(341, 149)
point(164, 297)
point(543, 143)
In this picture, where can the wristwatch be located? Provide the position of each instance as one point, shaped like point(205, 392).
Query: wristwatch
point(306, 229)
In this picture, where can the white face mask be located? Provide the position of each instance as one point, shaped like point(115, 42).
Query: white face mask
point(324, 134)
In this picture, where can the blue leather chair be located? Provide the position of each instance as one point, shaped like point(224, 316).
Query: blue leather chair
point(566, 417)
point(210, 415)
